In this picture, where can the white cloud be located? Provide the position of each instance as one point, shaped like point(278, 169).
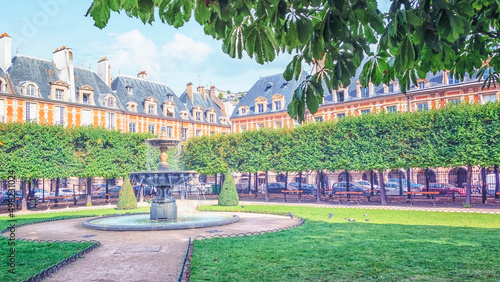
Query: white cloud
point(185, 49)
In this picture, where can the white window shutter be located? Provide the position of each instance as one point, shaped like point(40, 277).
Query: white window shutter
point(57, 115)
point(33, 111)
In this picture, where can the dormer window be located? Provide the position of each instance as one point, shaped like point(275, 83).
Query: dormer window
point(198, 116)
point(243, 111)
point(129, 90)
point(111, 102)
point(452, 79)
point(30, 90)
point(184, 114)
point(59, 94)
point(260, 108)
point(421, 85)
point(86, 95)
point(277, 105)
point(151, 109)
point(284, 85)
point(211, 117)
point(365, 92)
point(340, 96)
point(150, 106)
point(170, 97)
point(86, 98)
point(278, 101)
point(132, 106)
point(391, 88)
point(269, 86)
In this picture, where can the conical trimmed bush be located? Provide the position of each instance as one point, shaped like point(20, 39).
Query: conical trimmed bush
point(126, 198)
point(228, 195)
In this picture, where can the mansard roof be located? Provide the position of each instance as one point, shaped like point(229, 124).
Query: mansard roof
point(143, 89)
point(87, 77)
point(40, 71)
point(206, 104)
point(267, 87)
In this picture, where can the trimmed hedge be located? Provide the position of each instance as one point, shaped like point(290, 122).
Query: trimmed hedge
point(126, 198)
point(228, 195)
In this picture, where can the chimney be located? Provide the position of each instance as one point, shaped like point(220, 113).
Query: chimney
point(217, 101)
point(142, 75)
point(5, 51)
point(103, 71)
point(358, 89)
point(189, 91)
point(63, 59)
point(201, 90)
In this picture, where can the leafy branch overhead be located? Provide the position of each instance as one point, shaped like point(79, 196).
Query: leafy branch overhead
point(336, 37)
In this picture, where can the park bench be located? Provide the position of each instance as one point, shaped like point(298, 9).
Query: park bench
point(55, 201)
point(347, 195)
point(298, 193)
point(431, 193)
point(108, 196)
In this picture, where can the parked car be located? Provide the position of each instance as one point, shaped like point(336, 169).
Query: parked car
point(276, 187)
point(39, 193)
point(305, 188)
point(366, 185)
point(415, 187)
point(111, 190)
point(342, 187)
point(446, 189)
point(4, 196)
point(392, 188)
point(65, 192)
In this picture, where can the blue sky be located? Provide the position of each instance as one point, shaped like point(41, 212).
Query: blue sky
point(169, 55)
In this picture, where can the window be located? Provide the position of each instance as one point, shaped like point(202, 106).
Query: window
point(183, 133)
point(1, 86)
point(170, 114)
point(30, 111)
point(151, 109)
point(1, 111)
point(132, 127)
point(318, 119)
point(211, 133)
point(30, 90)
point(86, 117)
point(212, 117)
point(198, 116)
point(340, 96)
point(129, 90)
point(284, 85)
point(243, 111)
point(151, 128)
point(365, 92)
point(260, 125)
point(452, 79)
point(59, 116)
point(391, 87)
point(260, 108)
point(454, 101)
point(340, 115)
point(86, 98)
point(392, 109)
point(111, 102)
point(278, 124)
point(277, 105)
point(59, 94)
point(490, 98)
point(364, 112)
point(169, 131)
point(243, 128)
point(198, 132)
point(170, 97)
point(423, 107)
point(421, 85)
point(111, 120)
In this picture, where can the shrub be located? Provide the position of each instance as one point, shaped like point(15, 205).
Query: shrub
point(228, 195)
point(126, 198)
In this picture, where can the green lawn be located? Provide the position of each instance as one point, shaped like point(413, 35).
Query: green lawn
point(391, 246)
point(32, 257)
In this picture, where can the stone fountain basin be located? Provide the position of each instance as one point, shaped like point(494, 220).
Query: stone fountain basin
point(141, 222)
point(162, 142)
point(162, 178)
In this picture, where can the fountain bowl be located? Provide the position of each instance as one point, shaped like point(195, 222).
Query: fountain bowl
point(162, 178)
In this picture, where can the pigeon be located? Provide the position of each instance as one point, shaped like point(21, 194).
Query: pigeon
point(367, 219)
point(290, 214)
point(330, 215)
point(366, 215)
point(242, 206)
point(353, 220)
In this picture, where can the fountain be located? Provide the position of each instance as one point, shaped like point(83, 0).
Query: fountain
point(163, 211)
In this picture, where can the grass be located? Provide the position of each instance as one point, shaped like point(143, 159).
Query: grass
point(392, 246)
point(33, 257)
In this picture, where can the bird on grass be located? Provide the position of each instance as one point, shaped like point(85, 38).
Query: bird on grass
point(366, 215)
point(330, 215)
point(242, 206)
point(290, 214)
point(367, 219)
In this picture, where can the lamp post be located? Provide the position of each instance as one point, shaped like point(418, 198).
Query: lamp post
point(183, 138)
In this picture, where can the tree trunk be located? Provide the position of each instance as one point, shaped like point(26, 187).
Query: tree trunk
point(427, 181)
point(286, 180)
point(371, 182)
point(300, 180)
point(383, 197)
point(318, 185)
point(89, 191)
point(249, 183)
point(267, 188)
point(256, 183)
point(468, 187)
point(483, 185)
point(348, 182)
point(107, 190)
point(497, 182)
point(141, 193)
point(58, 183)
point(24, 203)
point(408, 182)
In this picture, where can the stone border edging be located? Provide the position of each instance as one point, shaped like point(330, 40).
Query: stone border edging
point(184, 260)
point(65, 262)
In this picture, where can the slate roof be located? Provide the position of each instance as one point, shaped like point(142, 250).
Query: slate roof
point(143, 89)
point(267, 87)
point(270, 85)
point(90, 78)
point(206, 104)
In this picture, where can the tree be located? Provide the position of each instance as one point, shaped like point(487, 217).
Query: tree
point(228, 195)
point(126, 197)
point(415, 37)
point(221, 96)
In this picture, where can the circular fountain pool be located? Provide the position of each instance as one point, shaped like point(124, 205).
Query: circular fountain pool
point(142, 222)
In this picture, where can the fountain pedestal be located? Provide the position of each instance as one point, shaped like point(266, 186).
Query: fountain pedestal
point(163, 207)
